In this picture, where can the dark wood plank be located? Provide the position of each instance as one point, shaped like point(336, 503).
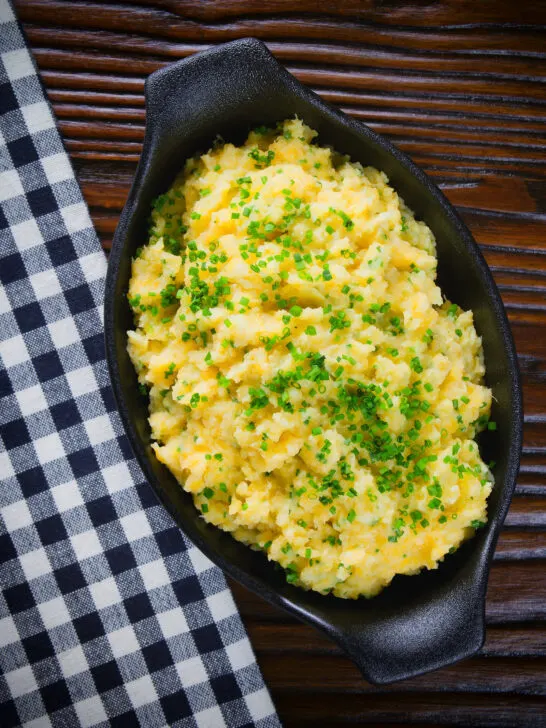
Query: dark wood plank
point(294, 637)
point(458, 85)
point(336, 709)
point(477, 675)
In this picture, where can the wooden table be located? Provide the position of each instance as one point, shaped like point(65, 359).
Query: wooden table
point(460, 87)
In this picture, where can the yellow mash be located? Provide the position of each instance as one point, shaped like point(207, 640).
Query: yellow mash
point(308, 383)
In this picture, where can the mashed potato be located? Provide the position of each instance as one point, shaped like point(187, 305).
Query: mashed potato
point(308, 384)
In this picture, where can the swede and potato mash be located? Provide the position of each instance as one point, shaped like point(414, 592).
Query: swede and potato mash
point(308, 383)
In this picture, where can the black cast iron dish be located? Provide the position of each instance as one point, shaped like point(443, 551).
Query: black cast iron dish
point(418, 623)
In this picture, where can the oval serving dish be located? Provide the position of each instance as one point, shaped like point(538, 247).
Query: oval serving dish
point(418, 623)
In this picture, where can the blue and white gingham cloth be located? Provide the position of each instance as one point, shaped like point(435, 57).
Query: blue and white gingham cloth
point(108, 616)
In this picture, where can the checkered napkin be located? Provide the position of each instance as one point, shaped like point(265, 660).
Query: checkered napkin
point(108, 616)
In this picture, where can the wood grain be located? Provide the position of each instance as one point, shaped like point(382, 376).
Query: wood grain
point(458, 85)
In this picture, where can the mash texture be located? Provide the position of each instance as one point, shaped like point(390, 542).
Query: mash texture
point(308, 383)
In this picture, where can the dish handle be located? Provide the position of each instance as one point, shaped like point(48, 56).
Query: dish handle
point(417, 639)
point(183, 98)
